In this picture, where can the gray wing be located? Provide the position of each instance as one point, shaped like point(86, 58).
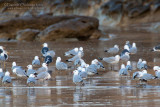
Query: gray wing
point(6, 79)
point(20, 72)
point(31, 80)
point(109, 59)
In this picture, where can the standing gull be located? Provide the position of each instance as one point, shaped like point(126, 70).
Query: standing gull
point(18, 70)
point(125, 57)
point(43, 76)
point(30, 70)
point(6, 78)
point(36, 61)
point(111, 60)
point(128, 66)
point(123, 70)
point(1, 73)
point(42, 69)
point(156, 48)
point(45, 49)
point(139, 63)
point(113, 50)
point(126, 49)
point(77, 78)
point(61, 65)
point(133, 49)
point(31, 79)
point(72, 52)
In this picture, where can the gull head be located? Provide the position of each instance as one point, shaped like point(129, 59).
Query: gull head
point(117, 57)
point(75, 72)
point(122, 66)
point(44, 64)
point(1, 70)
point(45, 45)
point(58, 59)
point(29, 66)
point(36, 57)
point(126, 47)
point(116, 46)
point(7, 73)
point(13, 63)
point(127, 42)
point(76, 49)
point(128, 62)
point(81, 48)
point(134, 45)
point(156, 68)
point(144, 71)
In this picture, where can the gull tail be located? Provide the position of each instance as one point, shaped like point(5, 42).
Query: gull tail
point(105, 50)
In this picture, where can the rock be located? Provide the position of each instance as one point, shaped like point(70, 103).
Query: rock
point(79, 27)
point(27, 34)
point(51, 26)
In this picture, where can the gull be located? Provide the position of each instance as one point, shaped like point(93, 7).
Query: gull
point(30, 70)
point(3, 58)
point(133, 49)
point(157, 71)
point(128, 44)
point(61, 65)
point(1, 73)
point(92, 69)
point(18, 70)
point(128, 66)
point(81, 51)
point(1, 49)
point(31, 79)
point(48, 59)
point(100, 65)
point(6, 78)
point(72, 52)
point(77, 78)
point(113, 50)
point(143, 65)
point(143, 76)
point(42, 69)
point(111, 60)
point(78, 56)
point(43, 76)
point(50, 53)
point(126, 49)
point(45, 49)
point(36, 61)
point(125, 57)
point(82, 72)
point(156, 48)
point(139, 63)
point(123, 70)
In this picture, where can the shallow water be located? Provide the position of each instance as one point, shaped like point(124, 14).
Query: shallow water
point(105, 89)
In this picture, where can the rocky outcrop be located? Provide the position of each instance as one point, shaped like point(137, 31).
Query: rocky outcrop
point(48, 27)
point(27, 34)
point(78, 27)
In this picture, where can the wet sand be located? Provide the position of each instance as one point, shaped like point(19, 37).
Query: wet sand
point(105, 89)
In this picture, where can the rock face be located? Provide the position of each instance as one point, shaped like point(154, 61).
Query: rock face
point(48, 27)
point(78, 27)
point(27, 34)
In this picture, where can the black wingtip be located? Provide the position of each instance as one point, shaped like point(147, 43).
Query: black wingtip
point(105, 50)
point(100, 58)
point(152, 50)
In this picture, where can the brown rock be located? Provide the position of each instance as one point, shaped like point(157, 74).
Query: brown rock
point(53, 26)
point(27, 34)
point(79, 27)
